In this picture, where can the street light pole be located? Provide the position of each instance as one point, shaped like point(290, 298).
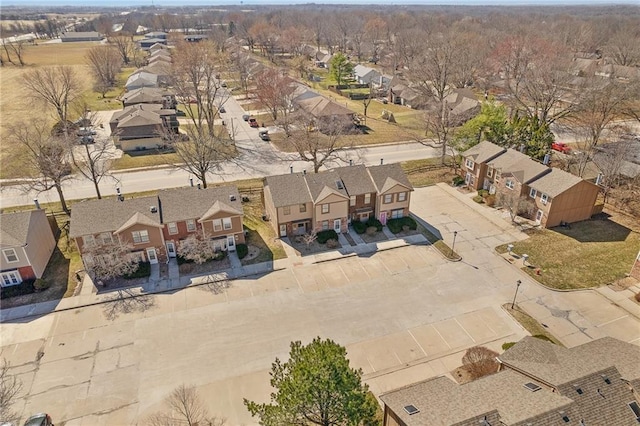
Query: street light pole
point(516, 295)
point(455, 234)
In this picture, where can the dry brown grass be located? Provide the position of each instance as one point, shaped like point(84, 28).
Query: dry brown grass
point(14, 107)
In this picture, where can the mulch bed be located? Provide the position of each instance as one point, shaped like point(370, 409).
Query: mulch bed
point(205, 268)
point(377, 237)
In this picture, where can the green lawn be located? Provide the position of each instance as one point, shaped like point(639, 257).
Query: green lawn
point(529, 323)
point(590, 254)
point(128, 161)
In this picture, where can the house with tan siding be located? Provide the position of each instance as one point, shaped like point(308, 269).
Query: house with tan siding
point(154, 226)
point(476, 172)
point(27, 242)
point(393, 191)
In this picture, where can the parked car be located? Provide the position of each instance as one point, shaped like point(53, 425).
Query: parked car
point(253, 122)
point(561, 147)
point(41, 419)
point(86, 139)
point(245, 117)
point(85, 131)
point(264, 134)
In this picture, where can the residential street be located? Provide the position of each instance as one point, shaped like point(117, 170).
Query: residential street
point(404, 315)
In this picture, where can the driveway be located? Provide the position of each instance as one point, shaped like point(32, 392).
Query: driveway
point(404, 315)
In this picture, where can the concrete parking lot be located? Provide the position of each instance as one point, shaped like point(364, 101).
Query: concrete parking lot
point(404, 315)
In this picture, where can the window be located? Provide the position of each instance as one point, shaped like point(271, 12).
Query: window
point(533, 193)
point(10, 278)
point(367, 198)
point(173, 228)
point(397, 214)
point(286, 210)
point(88, 240)
point(388, 198)
point(509, 183)
point(402, 196)
point(226, 223)
point(105, 238)
point(191, 225)
point(352, 200)
point(544, 198)
point(217, 225)
point(303, 208)
point(324, 208)
point(469, 163)
point(489, 172)
point(325, 225)
point(10, 255)
point(140, 236)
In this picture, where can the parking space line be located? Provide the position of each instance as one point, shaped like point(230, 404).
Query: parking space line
point(443, 339)
point(417, 343)
point(465, 330)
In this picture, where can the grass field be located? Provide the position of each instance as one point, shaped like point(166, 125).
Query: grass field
point(592, 253)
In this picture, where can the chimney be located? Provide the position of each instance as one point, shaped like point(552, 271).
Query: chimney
point(381, 161)
point(37, 203)
point(350, 162)
point(232, 197)
point(291, 169)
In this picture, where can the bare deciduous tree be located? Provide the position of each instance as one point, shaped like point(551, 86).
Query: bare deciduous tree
point(196, 247)
point(610, 160)
point(17, 48)
point(56, 87)
point(105, 63)
point(185, 408)
point(309, 238)
point(46, 155)
point(125, 46)
point(321, 143)
point(10, 387)
point(106, 260)
point(480, 361)
point(515, 203)
point(274, 90)
point(202, 154)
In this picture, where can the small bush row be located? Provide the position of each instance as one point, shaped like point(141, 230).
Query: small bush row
point(25, 287)
point(242, 250)
point(397, 225)
point(326, 235)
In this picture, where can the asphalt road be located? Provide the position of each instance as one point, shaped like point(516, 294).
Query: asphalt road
point(257, 159)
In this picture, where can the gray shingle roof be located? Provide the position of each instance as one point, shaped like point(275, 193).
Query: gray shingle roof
point(443, 402)
point(319, 106)
point(557, 365)
point(483, 152)
point(192, 203)
point(519, 165)
point(555, 182)
point(382, 174)
point(14, 227)
point(288, 190)
point(144, 95)
point(318, 182)
point(356, 179)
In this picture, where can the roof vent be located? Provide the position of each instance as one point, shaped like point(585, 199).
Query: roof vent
point(153, 209)
point(532, 386)
point(411, 409)
point(232, 197)
point(339, 184)
point(578, 389)
point(606, 379)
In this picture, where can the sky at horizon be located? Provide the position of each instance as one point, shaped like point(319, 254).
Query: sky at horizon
point(137, 3)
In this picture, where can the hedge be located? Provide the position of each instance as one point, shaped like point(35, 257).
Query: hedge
point(25, 287)
point(359, 227)
point(242, 250)
point(374, 222)
point(396, 225)
point(143, 271)
point(324, 236)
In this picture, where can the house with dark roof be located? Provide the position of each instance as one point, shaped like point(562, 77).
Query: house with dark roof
point(149, 95)
point(538, 384)
point(140, 79)
point(326, 114)
point(27, 242)
point(298, 203)
point(143, 126)
point(557, 196)
point(154, 226)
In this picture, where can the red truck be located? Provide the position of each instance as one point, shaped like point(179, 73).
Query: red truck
point(561, 147)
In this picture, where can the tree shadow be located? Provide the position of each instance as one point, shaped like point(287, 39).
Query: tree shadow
point(216, 284)
point(126, 301)
point(600, 228)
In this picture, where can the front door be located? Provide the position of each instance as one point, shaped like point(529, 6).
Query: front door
point(302, 229)
point(231, 243)
point(383, 218)
point(539, 217)
point(152, 256)
point(337, 225)
point(283, 230)
point(171, 249)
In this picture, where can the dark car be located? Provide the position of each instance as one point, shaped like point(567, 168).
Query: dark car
point(245, 117)
point(41, 419)
point(264, 135)
point(253, 122)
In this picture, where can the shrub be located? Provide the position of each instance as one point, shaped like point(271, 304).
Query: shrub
point(41, 284)
point(242, 250)
point(478, 199)
point(181, 260)
point(398, 225)
point(143, 271)
point(490, 200)
point(375, 222)
point(359, 227)
point(507, 345)
point(480, 361)
point(324, 236)
point(457, 180)
point(25, 287)
point(483, 193)
point(331, 243)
